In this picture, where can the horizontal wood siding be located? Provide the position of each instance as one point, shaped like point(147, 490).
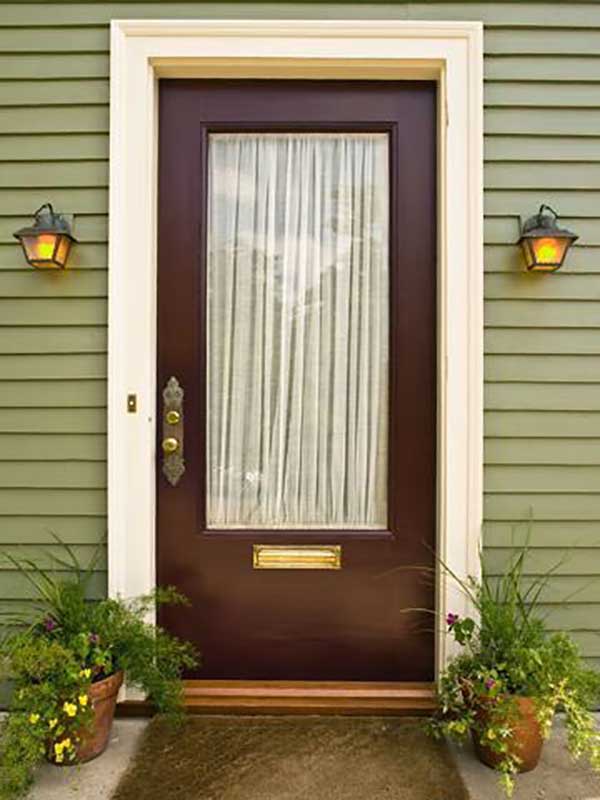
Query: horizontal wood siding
point(542, 335)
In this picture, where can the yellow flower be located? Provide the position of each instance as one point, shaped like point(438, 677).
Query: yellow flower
point(491, 734)
point(85, 673)
point(83, 700)
point(52, 723)
point(33, 718)
point(59, 747)
point(70, 709)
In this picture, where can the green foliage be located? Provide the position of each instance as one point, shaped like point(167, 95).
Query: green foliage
point(50, 704)
point(61, 648)
point(506, 653)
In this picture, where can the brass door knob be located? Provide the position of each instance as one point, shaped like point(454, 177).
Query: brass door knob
point(170, 445)
point(173, 417)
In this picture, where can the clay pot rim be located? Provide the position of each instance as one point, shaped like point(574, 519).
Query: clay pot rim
point(107, 686)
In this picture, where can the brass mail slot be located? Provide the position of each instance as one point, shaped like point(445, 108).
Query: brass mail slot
point(297, 556)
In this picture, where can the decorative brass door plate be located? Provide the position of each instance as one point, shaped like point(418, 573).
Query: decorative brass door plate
point(297, 556)
point(173, 465)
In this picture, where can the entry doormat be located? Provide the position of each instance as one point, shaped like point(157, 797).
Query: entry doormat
point(291, 758)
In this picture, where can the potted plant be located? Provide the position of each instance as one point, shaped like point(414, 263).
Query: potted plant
point(67, 659)
point(511, 675)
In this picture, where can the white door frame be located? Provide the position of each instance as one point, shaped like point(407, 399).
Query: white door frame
point(142, 51)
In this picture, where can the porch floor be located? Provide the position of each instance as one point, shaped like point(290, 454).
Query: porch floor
point(291, 758)
point(98, 779)
point(556, 778)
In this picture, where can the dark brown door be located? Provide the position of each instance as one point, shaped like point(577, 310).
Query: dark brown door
point(297, 309)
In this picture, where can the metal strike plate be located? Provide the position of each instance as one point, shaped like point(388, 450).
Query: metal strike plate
point(173, 465)
point(297, 556)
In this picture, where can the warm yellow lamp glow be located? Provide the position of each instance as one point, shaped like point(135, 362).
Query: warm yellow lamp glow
point(44, 245)
point(47, 251)
point(547, 250)
point(47, 242)
point(548, 253)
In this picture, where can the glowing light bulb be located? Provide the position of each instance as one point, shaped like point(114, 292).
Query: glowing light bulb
point(547, 252)
point(45, 246)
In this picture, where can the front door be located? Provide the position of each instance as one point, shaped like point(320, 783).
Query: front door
point(297, 315)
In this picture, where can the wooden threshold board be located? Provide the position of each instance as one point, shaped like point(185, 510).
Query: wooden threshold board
point(298, 697)
point(308, 697)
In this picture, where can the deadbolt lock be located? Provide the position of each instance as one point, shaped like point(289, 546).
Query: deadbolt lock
point(170, 445)
point(173, 417)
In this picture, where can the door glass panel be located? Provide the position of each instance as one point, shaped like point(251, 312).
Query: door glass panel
point(297, 330)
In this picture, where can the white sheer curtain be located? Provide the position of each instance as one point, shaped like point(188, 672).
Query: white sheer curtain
point(297, 382)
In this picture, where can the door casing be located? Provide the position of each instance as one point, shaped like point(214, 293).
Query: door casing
point(142, 51)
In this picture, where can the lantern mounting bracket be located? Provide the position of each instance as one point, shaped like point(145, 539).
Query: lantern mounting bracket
point(549, 208)
point(42, 207)
point(539, 220)
point(51, 219)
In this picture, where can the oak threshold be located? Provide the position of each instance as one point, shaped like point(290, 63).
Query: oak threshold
point(300, 697)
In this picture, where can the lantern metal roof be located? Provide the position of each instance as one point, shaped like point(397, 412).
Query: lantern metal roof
point(46, 221)
point(545, 225)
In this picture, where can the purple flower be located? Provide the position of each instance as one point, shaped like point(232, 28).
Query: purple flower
point(451, 619)
point(94, 638)
point(490, 683)
point(49, 624)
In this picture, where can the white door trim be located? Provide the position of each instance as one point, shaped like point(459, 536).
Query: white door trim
point(142, 51)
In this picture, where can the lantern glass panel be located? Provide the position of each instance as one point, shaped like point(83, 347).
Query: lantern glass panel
point(40, 249)
point(527, 252)
point(62, 251)
point(549, 252)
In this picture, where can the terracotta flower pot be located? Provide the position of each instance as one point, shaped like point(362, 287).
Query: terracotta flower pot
point(94, 738)
point(525, 743)
point(103, 697)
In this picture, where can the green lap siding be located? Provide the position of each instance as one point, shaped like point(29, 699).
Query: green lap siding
point(542, 333)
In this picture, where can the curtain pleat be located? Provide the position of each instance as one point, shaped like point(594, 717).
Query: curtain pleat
point(297, 331)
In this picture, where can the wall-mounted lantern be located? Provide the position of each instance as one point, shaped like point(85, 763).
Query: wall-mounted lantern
point(47, 242)
point(544, 244)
